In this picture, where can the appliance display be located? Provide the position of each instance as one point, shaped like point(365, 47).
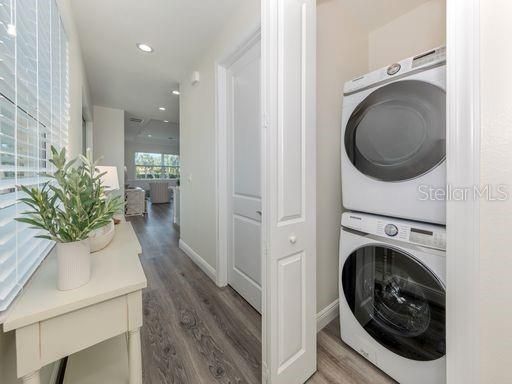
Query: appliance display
point(392, 295)
point(394, 139)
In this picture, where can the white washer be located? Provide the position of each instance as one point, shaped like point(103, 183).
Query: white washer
point(392, 295)
point(394, 140)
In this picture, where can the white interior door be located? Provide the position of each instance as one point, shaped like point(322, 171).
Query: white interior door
point(289, 197)
point(244, 234)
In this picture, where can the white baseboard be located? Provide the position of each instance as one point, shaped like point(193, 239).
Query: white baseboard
point(199, 261)
point(326, 315)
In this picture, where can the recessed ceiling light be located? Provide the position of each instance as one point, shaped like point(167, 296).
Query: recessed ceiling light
point(166, 121)
point(162, 108)
point(144, 47)
point(176, 92)
point(150, 135)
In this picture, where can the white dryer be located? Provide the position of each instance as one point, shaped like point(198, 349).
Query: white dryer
point(394, 139)
point(392, 295)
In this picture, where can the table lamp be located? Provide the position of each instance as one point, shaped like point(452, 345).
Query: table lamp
point(109, 180)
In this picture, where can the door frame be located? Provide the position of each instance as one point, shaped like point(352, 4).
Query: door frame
point(463, 169)
point(222, 149)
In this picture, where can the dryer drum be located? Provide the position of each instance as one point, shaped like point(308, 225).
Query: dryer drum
point(397, 300)
point(398, 132)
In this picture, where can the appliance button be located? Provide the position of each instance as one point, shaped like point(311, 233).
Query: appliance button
point(391, 230)
point(393, 69)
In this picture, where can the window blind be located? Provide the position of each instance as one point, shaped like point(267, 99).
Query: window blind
point(34, 114)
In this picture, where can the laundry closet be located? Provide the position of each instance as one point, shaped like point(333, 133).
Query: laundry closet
point(381, 137)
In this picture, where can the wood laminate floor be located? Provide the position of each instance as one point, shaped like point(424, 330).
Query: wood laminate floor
point(197, 333)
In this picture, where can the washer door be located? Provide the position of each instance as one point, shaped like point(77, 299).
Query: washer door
point(399, 131)
point(397, 300)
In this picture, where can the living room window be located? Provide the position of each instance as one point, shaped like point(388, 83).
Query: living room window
point(151, 166)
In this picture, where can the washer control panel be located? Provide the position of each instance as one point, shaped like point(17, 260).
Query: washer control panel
point(427, 235)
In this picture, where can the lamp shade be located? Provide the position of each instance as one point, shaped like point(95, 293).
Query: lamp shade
point(109, 180)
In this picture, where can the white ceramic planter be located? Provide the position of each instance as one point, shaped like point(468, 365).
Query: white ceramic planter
point(74, 264)
point(102, 237)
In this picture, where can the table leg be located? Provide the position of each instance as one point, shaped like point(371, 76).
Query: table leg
point(135, 356)
point(32, 378)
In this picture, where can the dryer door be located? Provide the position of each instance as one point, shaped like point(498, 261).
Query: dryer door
point(399, 131)
point(397, 300)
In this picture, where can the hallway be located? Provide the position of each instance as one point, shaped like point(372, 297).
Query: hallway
point(195, 332)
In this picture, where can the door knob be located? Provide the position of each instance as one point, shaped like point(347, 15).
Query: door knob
point(293, 239)
point(258, 212)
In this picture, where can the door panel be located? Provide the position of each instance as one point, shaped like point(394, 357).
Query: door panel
point(246, 84)
point(247, 245)
point(244, 252)
point(291, 123)
point(291, 293)
point(289, 200)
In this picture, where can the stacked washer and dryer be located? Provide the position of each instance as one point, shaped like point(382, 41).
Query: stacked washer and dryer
point(393, 239)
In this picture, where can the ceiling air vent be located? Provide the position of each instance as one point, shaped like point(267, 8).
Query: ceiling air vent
point(136, 120)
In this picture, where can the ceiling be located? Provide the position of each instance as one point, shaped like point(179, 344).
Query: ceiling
point(151, 131)
point(372, 14)
point(120, 75)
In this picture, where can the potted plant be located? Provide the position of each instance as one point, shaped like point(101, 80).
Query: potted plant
point(68, 208)
point(104, 205)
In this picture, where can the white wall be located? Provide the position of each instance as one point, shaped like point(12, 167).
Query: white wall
point(79, 103)
point(341, 56)
point(417, 31)
point(108, 139)
point(495, 217)
point(80, 100)
point(197, 137)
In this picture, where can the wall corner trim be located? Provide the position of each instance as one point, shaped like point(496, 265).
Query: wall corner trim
point(199, 261)
point(326, 315)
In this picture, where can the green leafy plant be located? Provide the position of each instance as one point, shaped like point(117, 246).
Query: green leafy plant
point(71, 205)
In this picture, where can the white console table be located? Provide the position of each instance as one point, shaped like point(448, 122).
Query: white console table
point(51, 324)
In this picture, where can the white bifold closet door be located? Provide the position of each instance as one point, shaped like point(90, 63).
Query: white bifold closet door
point(289, 193)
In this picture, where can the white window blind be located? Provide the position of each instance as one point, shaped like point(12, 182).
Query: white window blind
point(34, 114)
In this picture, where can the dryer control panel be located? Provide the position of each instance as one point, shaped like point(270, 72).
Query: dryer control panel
point(423, 61)
point(426, 235)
